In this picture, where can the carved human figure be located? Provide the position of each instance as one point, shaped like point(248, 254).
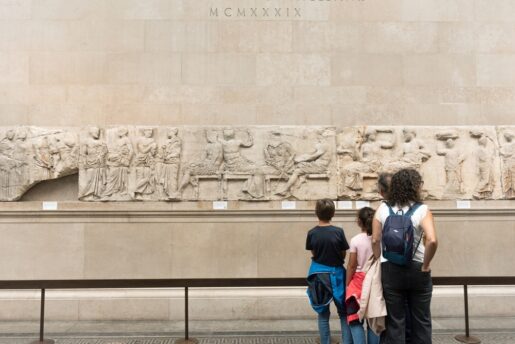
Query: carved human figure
point(170, 157)
point(235, 162)
point(21, 156)
point(93, 154)
point(507, 153)
point(315, 162)
point(279, 154)
point(414, 152)
point(43, 160)
point(7, 166)
point(118, 160)
point(454, 159)
point(369, 158)
point(146, 150)
point(68, 152)
point(484, 164)
point(209, 163)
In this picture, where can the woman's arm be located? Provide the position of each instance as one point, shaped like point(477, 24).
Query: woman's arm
point(351, 267)
point(431, 242)
point(376, 237)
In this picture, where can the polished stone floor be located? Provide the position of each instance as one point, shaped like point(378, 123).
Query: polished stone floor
point(490, 330)
point(486, 338)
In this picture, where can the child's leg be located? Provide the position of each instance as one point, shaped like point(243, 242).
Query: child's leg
point(323, 327)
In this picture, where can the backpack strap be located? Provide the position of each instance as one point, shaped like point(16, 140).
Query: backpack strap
point(389, 209)
point(413, 208)
point(418, 244)
point(410, 212)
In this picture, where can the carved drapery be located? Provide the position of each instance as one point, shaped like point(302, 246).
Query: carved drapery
point(257, 163)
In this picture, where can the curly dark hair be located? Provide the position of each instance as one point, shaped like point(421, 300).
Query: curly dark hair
point(405, 187)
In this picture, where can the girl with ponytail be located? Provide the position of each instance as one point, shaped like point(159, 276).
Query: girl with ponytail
point(360, 252)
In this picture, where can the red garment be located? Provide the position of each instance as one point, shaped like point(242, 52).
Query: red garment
point(353, 295)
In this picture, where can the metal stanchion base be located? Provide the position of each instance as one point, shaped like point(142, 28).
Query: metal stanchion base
point(186, 341)
point(468, 340)
point(333, 340)
point(46, 341)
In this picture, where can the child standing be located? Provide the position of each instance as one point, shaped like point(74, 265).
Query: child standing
point(360, 251)
point(326, 276)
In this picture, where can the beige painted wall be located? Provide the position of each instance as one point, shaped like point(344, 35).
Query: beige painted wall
point(76, 62)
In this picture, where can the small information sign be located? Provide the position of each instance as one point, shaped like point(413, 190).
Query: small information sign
point(288, 205)
point(362, 204)
point(344, 204)
point(220, 205)
point(49, 205)
point(462, 204)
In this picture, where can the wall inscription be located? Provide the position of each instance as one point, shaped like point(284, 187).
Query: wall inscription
point(257, 163)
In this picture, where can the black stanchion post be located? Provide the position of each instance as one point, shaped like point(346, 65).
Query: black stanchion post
point(42, 323)
point(187, 339)
point(467, 338)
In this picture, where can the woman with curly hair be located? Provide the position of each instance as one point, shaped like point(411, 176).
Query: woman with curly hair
point(411, 282)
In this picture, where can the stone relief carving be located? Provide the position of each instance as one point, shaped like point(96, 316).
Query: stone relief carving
point(454, 159)
point(29, 155)
point(484, 155)
point(169, 157)
point(208, 166)
point(258, 163)
point(118, 160)
point(507, 152)
point(93, 168)
point(314, 164)
point(145, 162)
point(370, 155)
point(236, 166)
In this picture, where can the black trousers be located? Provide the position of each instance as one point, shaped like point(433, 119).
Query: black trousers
point(403, 284)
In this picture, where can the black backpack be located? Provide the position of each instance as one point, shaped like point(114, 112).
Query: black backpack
point(399, 235)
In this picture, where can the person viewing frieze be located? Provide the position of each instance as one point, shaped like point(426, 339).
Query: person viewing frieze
point(118, 160)
point(92, 164)
point(316, 162)
point(145, 162)
point(169, 155)
point(210, 163)
point(507, 153)
point(404, 238)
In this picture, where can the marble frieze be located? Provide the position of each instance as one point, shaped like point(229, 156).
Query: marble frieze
point(257, 163)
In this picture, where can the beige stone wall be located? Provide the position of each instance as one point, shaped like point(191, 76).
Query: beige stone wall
point(170, 62)
point(435, 62)
point(189, 240)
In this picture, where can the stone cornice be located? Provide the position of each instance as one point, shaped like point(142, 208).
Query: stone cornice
point(196, 216)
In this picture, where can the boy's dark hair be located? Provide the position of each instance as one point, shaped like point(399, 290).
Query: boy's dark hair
point(325, 209)
point(405, 188)
point(365, 216)
point(383, 183)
